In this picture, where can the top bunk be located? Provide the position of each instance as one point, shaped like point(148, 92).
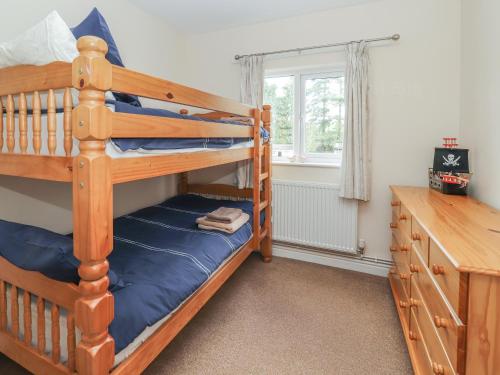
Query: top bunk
point(48, 113)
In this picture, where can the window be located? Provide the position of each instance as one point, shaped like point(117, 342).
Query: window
point(308, 116)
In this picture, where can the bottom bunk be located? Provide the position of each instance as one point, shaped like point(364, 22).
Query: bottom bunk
point(162, 270)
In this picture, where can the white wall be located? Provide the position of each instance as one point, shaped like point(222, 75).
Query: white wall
point(480, 127)
point(146, 44)
point(414, 97)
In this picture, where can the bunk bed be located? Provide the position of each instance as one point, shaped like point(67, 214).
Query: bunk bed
point(34, 306)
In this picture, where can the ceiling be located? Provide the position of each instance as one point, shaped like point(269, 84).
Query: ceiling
point(198, 16)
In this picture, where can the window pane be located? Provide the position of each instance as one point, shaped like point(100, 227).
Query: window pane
point(324, 115)
point(279, 93)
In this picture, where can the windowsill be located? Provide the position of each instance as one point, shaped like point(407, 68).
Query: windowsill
point(305, 164)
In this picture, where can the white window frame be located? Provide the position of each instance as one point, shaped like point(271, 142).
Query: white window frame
point(300, 157)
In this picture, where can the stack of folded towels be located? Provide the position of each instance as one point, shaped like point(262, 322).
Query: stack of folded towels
point(223, 219)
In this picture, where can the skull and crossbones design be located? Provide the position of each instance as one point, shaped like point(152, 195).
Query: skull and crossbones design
point(450, 161)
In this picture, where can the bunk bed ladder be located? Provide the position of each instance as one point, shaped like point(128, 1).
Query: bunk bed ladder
point(263, 177)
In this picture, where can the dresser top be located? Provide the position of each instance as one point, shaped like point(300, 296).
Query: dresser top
point(467, 230)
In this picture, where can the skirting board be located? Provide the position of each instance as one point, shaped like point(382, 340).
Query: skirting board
point(349, 262)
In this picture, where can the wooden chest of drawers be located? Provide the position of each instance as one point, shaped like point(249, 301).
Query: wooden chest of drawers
point(446, 281)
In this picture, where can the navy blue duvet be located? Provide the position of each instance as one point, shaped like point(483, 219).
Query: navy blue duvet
point(162, 258)
point(159, 258)
point(126, 144)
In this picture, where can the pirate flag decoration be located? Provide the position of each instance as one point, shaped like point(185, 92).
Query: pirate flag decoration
point(450, 172)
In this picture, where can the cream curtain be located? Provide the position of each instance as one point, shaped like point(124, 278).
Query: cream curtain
point(252, 93)
point(356, 169)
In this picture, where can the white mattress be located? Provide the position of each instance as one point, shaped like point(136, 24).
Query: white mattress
point(112, 150)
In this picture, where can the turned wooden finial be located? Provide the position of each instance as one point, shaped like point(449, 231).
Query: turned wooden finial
point(91, 45)
point(90, 69)
point(266, 116)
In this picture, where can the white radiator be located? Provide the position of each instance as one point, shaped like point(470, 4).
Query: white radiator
point(314, 215)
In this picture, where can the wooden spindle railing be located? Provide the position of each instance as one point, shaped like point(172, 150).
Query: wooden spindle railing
point(3, 306)
point(71, 341)
point(56, 334)
point(27, 317)
point(68, 109)
point(14, 315)
point(51, 122)
point(10, 124)
point(40, 308)
point(37, 123)
point(23, 123)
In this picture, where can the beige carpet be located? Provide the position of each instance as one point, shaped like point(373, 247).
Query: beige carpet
point(288, 317)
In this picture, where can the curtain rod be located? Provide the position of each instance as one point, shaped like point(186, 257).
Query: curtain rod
point(394, 37)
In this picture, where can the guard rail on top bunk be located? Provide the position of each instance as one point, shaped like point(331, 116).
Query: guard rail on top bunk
point(92, 174)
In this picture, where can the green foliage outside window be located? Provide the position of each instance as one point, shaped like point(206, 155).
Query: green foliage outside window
point(324, 111)
point(279, 92)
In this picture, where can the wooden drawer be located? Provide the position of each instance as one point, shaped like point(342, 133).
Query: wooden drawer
point(402, 243)
point(438, 359)
point(405, 222)
point(396, 206)
point(420, 239)
point(421, 358)
point(400, 297)
point(445, 274)
point(401, 260)
point(447, 325)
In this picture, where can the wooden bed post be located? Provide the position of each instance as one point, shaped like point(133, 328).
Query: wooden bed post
point(183, 183)
point(257, 157)
point(93, 207)
point(266, 246)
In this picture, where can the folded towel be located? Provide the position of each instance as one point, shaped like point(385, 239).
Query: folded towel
point(224, 215)
point(203, 223)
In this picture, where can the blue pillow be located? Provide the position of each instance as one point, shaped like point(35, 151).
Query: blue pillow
point(37, 249)
point(96, 25)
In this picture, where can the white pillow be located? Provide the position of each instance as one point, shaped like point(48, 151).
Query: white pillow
point(48, 41)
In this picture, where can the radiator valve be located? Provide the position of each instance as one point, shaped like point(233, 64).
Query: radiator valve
point(361, 246)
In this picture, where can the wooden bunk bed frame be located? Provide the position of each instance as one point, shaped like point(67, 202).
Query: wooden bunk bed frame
point(92, 173)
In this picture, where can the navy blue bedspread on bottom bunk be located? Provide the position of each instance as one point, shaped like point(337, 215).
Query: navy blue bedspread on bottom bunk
point(159, 258)
point(162, 258)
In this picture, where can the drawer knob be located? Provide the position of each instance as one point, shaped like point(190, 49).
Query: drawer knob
point(403, 304)
point(437, 269)
point(440, 322)
point(393, 248)
point(414, 302)
point(404, 276)
point(412, 335)
point(414, 268)
point(437, 368)
point(393, 225)
point(395, 203)
point(402, 217)
point(416, 237)
point(405, 248)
